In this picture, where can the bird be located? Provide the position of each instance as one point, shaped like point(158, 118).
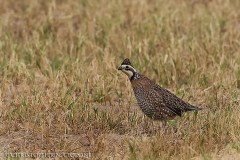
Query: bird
point(156, 102)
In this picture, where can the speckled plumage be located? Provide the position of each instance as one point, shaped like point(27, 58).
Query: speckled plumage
point(155, 102)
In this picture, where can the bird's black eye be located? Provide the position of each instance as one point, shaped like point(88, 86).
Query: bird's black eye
point(127, 67)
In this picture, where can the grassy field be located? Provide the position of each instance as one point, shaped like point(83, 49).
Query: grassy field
point(60, 90)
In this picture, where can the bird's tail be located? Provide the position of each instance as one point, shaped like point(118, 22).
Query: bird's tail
point(193, 108)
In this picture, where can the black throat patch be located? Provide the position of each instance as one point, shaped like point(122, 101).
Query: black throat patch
point(134, 76)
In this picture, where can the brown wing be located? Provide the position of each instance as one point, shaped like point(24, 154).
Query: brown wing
point(163, 107)
point(172, 102)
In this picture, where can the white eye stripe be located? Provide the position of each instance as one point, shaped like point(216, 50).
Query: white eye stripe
point(130, 67)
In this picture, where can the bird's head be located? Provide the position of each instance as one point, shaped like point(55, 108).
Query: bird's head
point(127, 68)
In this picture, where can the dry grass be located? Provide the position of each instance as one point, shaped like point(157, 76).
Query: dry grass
point(60, 90)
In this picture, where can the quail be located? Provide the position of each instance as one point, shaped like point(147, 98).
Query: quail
point(156, 102)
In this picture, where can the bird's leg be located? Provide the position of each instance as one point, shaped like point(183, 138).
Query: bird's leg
point(164, 123)
point(164, 126)
point(153, 127)
point(145, 126)
point(150, 127)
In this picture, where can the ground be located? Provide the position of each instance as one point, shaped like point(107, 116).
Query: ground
point(61, 92)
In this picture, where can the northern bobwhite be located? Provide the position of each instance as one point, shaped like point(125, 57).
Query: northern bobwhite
point(156, 102)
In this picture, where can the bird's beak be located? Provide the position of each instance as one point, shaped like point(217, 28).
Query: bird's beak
point(120, 68)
